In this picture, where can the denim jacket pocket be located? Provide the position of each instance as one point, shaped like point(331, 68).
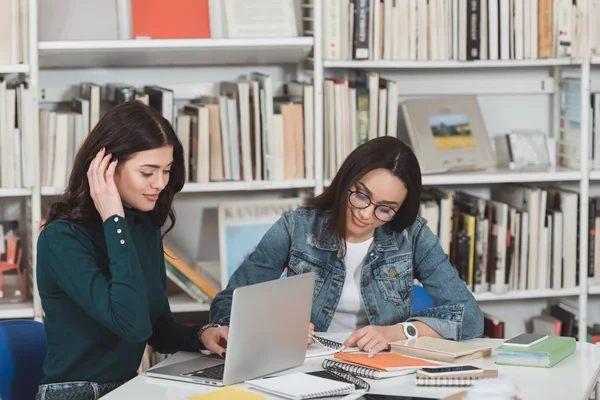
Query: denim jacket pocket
point(395, 279)
point(301, 263)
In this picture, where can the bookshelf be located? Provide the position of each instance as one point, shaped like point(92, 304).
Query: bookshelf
point(62, 64)
point(525, 79)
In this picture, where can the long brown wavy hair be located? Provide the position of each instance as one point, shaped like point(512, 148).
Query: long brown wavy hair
point(124, 130)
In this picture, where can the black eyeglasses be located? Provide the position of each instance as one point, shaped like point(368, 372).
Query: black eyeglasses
point(361, 201)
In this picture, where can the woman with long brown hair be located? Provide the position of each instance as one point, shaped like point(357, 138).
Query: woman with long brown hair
point(100, 262)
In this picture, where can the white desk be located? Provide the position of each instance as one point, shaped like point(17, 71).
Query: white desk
point(573, 378)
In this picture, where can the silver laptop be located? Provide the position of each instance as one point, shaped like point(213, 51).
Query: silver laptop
point(267, 333)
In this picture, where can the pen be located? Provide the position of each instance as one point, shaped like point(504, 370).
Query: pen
point(371, 353)
point(284, 273)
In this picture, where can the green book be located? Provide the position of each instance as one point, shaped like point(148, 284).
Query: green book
point(544, 354)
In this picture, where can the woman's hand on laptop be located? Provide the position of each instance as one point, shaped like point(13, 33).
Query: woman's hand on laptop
point(215, 339)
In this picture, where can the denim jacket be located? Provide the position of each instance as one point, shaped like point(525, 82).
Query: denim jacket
point(297, 241)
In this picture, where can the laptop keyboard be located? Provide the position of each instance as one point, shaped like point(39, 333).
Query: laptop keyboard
point(214, 372)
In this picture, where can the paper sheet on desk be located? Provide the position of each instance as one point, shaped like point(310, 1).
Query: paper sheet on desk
point(317, 350)
point(229, 394)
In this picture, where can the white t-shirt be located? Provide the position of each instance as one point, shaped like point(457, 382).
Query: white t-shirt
point(350, 313)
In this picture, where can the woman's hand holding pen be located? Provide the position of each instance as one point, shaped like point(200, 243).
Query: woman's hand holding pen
point(374, 339)
point(215, 339)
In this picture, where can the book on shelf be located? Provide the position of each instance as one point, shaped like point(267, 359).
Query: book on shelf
point(14, 32)
point(183, 272)
point(437, 30)
point(159, 19)
point(356, 110)
point(493, 327)
point(244, 130)
point(524, 237)
point(16, 132)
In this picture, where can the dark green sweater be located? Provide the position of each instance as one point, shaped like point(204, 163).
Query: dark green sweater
point(103, 290)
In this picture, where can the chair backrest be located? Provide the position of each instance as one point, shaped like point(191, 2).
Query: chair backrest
point(26, 345)
point(421, 299)
point(7, 367)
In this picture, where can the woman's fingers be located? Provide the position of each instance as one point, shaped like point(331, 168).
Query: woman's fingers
point(92, 175)
point(102, 168)
point(110, 172)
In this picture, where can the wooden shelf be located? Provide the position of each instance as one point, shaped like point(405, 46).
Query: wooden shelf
point(446, 64)
point(16, 310)
point(181, 303)
point(168, 52)
point(527, 294)
point(14, 69)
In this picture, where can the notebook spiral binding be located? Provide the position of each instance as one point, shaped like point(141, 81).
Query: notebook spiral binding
point(340, 373)
point(355, 370)
point(332, 344)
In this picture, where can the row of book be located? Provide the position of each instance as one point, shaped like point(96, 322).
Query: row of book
point(451, 29)
point(15, 130)
point(247, 129)
point(522, 238)
point(14, 32)
point(356, 110)
point(165, 19)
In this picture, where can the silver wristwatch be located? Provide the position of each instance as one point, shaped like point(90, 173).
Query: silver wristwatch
point(410, 330)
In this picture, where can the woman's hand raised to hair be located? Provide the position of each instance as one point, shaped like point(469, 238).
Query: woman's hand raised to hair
point(104, 192)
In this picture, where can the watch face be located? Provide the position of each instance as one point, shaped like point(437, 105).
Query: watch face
point(411, 330)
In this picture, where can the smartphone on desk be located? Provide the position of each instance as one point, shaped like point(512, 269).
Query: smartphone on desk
point(449, 371)
point(525, 340)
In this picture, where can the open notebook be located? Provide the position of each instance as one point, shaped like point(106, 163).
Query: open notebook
point(328, 344)
point(298, 386)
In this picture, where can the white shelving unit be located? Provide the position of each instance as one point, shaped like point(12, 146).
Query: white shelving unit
point(27, 195)
point(100, 57)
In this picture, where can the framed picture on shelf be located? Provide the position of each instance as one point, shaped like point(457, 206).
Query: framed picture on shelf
point(241, 227)
point(446, 134)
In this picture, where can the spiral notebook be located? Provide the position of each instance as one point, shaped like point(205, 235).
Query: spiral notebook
point(328, 344)
point(299, 386)
point(338, 374)
point(364, 372)
point(465, 379)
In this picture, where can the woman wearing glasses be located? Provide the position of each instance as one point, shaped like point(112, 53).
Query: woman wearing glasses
point(365, 243)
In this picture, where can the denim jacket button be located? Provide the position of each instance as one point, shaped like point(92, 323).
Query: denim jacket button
point(307, 269)
point(372, 311)
point(365, 282)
